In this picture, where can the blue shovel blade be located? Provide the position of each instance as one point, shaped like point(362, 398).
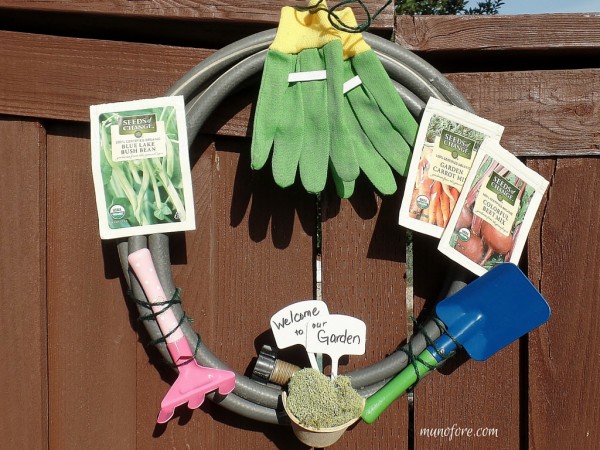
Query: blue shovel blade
point(493, 311)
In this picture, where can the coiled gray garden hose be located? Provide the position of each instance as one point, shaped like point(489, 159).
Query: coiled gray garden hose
point(203, 88)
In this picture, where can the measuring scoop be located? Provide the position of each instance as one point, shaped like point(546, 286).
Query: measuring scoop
point(483, 317)
point(194, 381)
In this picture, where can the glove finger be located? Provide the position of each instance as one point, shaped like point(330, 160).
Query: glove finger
point(289, 138)
point(315, 147)
point(342, 151)
point(344, 189)
point(270, 105)
point(377, 170)
point(388, 142)
point(377, 82)
point(370, 161)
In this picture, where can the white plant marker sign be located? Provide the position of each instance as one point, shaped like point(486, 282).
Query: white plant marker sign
point(289, 324)
point(336, 335)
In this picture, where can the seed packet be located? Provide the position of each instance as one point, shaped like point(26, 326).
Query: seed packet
point(445, 147)
point(141, 169)
point(494, 212)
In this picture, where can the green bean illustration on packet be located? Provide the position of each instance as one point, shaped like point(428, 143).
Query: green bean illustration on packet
point(150, 189)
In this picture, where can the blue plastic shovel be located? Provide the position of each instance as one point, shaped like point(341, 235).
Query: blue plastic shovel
point(483, 317)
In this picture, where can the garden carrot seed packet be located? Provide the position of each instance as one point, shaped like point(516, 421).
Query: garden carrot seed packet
point(445, 147)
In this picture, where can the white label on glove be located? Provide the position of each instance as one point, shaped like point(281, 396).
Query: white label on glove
point(289, 324)
point(312, 75)
point(352, 83)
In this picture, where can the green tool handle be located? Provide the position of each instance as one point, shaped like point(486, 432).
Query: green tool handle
point(378, 402)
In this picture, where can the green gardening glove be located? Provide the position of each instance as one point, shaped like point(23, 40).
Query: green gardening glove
point(370, 161)
point(303, 121)
point(383, 128)
point(381, 113)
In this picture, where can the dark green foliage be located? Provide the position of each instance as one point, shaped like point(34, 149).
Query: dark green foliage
point(446, 7)
point(486, 7)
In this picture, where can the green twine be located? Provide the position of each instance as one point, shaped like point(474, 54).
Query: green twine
point(175, 300)
point(338, 23)
point(413, 359)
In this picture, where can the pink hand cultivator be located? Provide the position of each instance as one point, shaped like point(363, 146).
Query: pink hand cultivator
point(194, 381)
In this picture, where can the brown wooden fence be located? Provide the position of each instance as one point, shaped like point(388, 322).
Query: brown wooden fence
point(74, 372)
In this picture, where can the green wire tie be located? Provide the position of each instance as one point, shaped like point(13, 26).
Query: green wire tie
point(338, 23)
point(175, 300)
point(414, 359)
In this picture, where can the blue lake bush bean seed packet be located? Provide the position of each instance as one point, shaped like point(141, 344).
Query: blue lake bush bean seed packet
point(141, 168)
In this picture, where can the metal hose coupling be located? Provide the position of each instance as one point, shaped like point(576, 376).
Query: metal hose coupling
point(270, 369)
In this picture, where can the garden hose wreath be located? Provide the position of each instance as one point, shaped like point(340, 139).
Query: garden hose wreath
point(203, 88)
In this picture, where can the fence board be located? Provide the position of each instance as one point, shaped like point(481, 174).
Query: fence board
point(91, 346)
point(463, 398)
point(363, 276)
point(225, 10)
point(473, 406)
point(544, 112)
point(24, 387)
point(57, 77)
point(563, 360)
point(561, 106)
point(499, 33)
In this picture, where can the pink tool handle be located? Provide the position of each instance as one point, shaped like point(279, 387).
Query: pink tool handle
point(194, 381)
point(141, 263)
